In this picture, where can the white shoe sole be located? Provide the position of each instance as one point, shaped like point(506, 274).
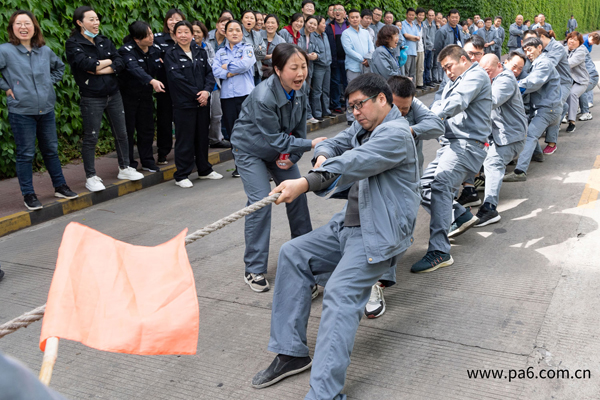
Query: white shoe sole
point(274, 381)
point(373, 316)
point(473, 203)
point(125, 178)
point(488, 222)
point(62, 196)
point(463, 228)
point(96, 190)
point(33, 208)
point(266, 288)
point(440, 265)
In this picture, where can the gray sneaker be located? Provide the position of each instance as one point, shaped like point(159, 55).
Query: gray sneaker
point(538, 157)
point(512, 177)
point(257, 282)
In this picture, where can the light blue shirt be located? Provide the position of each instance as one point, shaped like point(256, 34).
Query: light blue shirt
point(358, 47)
point(239, 61)
point(411, 46)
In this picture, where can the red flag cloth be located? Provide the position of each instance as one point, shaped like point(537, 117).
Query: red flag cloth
point(113, 296)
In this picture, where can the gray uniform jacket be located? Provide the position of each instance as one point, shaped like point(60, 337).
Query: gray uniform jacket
point(546, 26)
point(311, 48)
point(385, 168)
point(577, 64)
point(424, 123)
point(384, 63)
point(557, 54)
point(488, 36)
point(466, 106)
point(509, 122)
point(571, 25)
point(500, 36)
point(429, 31)
point(445, 36)
point(255, 40)
point(591, 67)
point(31, 76)
point(514, 33)
point(323, 49)
point(269, 124)
point(270, 47)
point(543, 84)
point(286, 36)
point(375, 27)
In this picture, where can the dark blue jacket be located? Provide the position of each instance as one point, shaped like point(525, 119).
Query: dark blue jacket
point(140, 69)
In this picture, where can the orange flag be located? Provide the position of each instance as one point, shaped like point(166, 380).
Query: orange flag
point(117, 297)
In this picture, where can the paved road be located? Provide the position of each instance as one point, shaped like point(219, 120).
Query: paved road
point(522, 293)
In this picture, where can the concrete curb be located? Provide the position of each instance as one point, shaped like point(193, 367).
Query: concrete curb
point(14, 222)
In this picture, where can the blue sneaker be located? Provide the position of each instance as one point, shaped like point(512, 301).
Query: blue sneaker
point(432, 261)
point(462, 224)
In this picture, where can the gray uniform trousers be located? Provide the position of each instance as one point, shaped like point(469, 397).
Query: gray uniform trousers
point(319, 95)
point(495, 164)
point(573, 100)
point(552, 132)
point(588, 97)
point(350, 76)
point(542, 118)
point(339, 251)
point(411, 68)
point(453, 163)
point(254, 172)
point(214, 133)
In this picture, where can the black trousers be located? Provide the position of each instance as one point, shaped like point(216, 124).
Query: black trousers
point(191, 144)
point(164, 127)
point(139, 117)
point(231, 110)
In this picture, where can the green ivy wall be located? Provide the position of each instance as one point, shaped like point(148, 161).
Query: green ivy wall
point(55, 19)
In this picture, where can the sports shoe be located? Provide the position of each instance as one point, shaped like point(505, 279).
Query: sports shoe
point(432, 261)
point(257, 282)
point(235, 174)
point(162, 161)
point(538, 157)
point(31, 202)
point(376, 305)
point(184, 183)
point(312, 121)
point(462, 224)
point(1, 274)
point(129, 173)
point(487, 216)
point(151, 168)
point(479, 183)
point(549, 149)
point(222, 144)
point(469, 197)
point(212, 175)
point(65, 192)
point(585, 117)
point(281, 367)
point(94, 184)
point(338, 111)
point(564, 120)
point(571, 127)
point(515, 177)
point(315, 292)
point(590, 105)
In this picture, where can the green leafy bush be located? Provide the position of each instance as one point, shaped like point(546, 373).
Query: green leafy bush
point(55, 19)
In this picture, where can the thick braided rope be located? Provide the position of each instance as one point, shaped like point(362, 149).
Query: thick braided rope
point(35, 315)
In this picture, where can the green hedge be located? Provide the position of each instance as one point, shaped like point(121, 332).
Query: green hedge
point(55, 19)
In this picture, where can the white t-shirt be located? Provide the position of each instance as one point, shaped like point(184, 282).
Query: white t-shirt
point(189, 54)
point(420, 47)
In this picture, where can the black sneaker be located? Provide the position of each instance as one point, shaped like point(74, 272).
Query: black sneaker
point(281, 367)
point(235, 174)
point(538, 157)
point(432, 261)
point(314, 292)
point(571, 127)
point(487, 216)
point(31, 202)
point(421, 87)
point(479, 183)
point(162, 161)
point(462, 224)
point(469, 197)
point(1, 274)
point(151, 168)
point(223, 144)
point(65, 192)
point(257, 282)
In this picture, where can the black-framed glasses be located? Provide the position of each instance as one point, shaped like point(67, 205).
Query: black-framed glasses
point(360, 104)
point(474, 53)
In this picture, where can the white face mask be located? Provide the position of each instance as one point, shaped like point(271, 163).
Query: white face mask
point(89, 34)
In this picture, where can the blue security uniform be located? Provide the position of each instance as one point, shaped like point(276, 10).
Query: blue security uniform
point(377, 171)
point(271, 122)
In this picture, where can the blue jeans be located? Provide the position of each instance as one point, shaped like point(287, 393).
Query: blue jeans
point(428, 67)
point(26, 128)
point(338, 77)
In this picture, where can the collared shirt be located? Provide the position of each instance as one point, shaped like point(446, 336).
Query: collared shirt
point(429, 34)
point(240, 60)
point(542, 83)
point(420, 47)
point(358, 47)
point(410, 29)
point(509, 122)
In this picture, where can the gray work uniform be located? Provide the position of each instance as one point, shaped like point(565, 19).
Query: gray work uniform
point(270, 46)
point(269, 125)
point(543, 86)
point(445, 36)
point(321, 77)
point(571, 25)
point(354, 257)
point(375, 27)
point(309, 46)
point(384, 63)
point(17, 382)
point(255, 40)
point(588, 96)
point(509, 130)
point(465, 108)
point(547, 27)
point(581, 79)
point(515, 36)
point(500, 36)
point(488, 35)
point(557, 54)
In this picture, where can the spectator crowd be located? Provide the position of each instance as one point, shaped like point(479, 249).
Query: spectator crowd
point(253, 87)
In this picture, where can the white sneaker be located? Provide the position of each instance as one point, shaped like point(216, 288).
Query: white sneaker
point(585, 117)
point(312, 121)
point(376, 305)
point(129, 173)
point(590, 105)
point(94, 184)
point(184, 183)
point(212, 175)
point(564, 120)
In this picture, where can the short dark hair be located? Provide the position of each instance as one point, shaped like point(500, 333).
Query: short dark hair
point(419, 10)
point(272, 16)
point(486, 19)
point(385, 35)
point(532, 42)
point(37, 40)
point(453, 11)
point(185, 23)
point(283, 52)
point(377, 8)
point(203, 28)
point(226, 12)
point(311, 17)
point(531, 32)
point(366, 13)
point(353, 10)
point(137, 30)
point(402, 86)
point(248, 12)
point(514, 54)
point(463, 23)
point(78, 15)
point(409, 9)
point(234, 21)
point(169, 14)
point(498, 17)
point(388, 12)
point(370, 85)
point(576, 35)
point(453, 51)
point(526, 21)
point(295, 17)
point(305, 2)
point(477, 41)
point(542, 32)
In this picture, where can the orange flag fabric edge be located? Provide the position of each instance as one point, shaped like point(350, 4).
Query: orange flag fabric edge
point(117, 297)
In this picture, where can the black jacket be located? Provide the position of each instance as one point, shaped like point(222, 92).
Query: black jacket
point(84, 56)
point(164, 42)
point(335, 42)
point(187, 76)
point(140, 69)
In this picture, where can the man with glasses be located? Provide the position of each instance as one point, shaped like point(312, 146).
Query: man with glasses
point(377, 24)
point(372, 164)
